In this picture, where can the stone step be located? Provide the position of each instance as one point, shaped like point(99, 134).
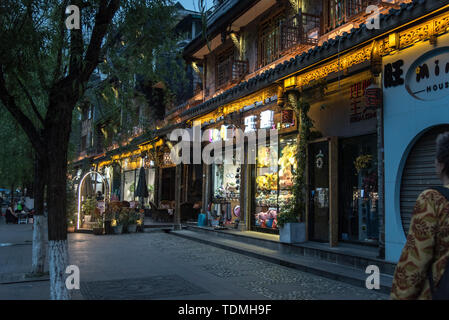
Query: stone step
point(358, 257)
point(339, 272)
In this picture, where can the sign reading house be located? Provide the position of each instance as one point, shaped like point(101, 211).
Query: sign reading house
point(428, 77)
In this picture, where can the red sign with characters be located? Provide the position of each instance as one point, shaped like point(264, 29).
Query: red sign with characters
point(361, 101)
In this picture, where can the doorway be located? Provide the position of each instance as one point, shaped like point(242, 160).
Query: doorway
point(318, 193)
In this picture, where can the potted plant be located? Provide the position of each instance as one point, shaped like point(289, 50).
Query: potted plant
point(290, 229)
point(71, 222)
point(98, 228)
point(88, 209)
point(132, 222)
point(117, 226)
point(118, 222)
point(108, 217)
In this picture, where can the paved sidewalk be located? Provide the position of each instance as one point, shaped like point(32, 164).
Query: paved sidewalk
point(156, 265)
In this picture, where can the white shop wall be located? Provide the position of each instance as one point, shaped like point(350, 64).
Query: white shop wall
point(407, 117)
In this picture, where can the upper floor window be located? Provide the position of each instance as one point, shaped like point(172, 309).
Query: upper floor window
point(229, 69)
point(281, 33)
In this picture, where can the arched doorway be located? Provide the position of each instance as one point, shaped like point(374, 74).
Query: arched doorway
point(105, 184)
point(419, 172)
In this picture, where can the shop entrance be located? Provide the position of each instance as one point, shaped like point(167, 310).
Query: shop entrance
point(318, 157)
point(168, 184)
point(358, 213)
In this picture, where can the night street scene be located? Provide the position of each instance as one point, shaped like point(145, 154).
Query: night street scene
point(224, 158)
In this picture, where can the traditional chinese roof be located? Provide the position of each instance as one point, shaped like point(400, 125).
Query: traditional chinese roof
point(395, 18)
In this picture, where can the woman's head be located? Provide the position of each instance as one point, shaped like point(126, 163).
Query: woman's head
point(442, 155)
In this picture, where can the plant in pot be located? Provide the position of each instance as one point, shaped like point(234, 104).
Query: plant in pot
point(117, 223)
point(88, 209)
point(109, 215)
point(98, 227)
point(132, 221)
point(71, 222)
point(290, 229)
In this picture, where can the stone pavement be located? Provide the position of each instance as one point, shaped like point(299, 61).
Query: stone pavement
point(158, 265)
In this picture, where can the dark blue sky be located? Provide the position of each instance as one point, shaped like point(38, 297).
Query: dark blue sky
point(193, 4)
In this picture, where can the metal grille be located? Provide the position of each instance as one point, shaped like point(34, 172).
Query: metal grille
point(419, 173)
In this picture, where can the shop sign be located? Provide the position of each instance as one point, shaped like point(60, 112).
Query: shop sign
point(359, 110)
point(267, 119)
point(319, 160)
point(224, 134)
point(428, 77)
point(287, 117)
point(250, 123)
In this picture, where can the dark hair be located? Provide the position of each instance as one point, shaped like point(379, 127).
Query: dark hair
point(442, 153)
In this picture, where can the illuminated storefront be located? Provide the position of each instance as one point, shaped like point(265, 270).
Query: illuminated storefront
point(416, 98)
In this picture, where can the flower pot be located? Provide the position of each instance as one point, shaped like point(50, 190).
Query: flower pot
point(132, 228)
point(71, 229)
point(97, 231)
point(118, 229)
point(107, 228)
point(292, 233)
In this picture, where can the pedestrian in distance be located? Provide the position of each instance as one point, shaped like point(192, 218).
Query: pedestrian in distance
point(11, 216)
point(422, 271)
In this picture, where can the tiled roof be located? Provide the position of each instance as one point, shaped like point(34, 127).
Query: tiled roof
point(394, 18)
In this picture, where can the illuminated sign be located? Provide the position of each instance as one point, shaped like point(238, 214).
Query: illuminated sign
point(267, 119)
point(250, 123)
point(428, 77)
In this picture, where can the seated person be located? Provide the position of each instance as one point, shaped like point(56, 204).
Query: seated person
point(11, 216)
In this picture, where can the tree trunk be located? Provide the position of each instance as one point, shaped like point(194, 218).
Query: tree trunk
point(40, 221)
point(59, 258)
point(57, 136)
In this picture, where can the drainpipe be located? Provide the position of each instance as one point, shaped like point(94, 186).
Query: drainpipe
point(380, 173)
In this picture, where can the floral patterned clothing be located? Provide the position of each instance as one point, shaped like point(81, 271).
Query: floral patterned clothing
point(427, 246)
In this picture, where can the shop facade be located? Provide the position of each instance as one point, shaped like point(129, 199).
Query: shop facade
point(343, 164)
point(416, 98)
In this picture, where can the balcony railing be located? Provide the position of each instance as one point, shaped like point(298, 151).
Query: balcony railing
point(299, 30)
point(230, 71)
point(339, 12)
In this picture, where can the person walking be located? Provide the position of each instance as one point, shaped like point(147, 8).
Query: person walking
point(421, 271)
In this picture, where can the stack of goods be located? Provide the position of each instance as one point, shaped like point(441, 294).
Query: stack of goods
point(267, 219)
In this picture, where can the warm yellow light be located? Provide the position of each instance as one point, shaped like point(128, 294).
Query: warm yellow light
point(113, 223)
point(393, 40)
point(195, 67)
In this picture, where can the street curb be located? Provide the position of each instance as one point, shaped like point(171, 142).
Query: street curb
point(21, 278)
point(352, 280)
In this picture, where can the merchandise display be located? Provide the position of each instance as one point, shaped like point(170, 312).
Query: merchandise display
point(274, 180)
point(226, 181)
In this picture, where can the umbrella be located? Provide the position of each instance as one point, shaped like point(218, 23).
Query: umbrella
point(142, 189)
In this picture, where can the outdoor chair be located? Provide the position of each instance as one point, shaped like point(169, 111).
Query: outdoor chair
point(160, 215)
point(22, 218)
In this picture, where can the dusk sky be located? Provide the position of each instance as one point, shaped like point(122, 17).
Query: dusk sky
point(193, 4)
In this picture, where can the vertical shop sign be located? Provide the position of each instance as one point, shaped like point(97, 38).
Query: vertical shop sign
point(359, 109)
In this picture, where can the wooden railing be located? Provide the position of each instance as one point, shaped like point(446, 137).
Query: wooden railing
point(275, 40)
point(339, 12)
point(230, 71)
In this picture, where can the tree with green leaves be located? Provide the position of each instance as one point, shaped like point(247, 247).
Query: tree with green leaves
point(45, 70)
